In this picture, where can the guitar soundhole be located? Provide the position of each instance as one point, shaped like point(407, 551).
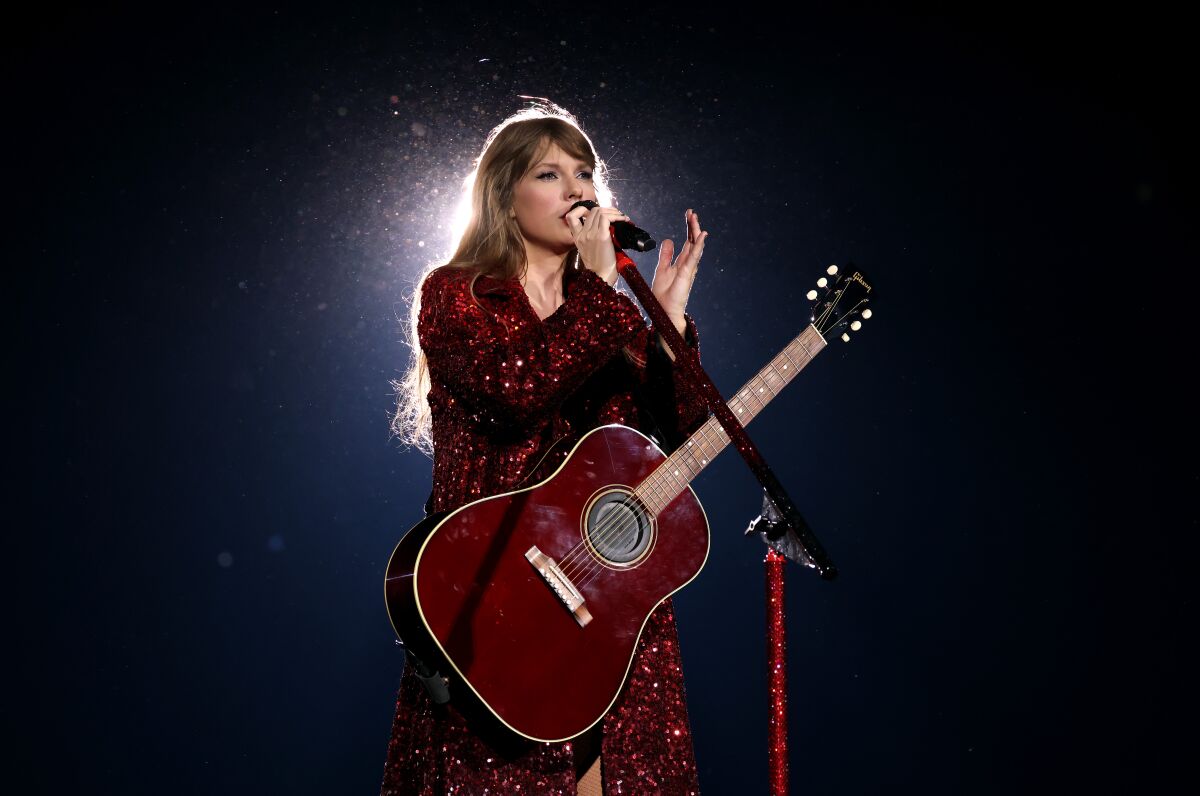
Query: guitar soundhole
point(618, 528)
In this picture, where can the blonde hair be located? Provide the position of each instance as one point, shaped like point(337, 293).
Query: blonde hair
point(491, 242)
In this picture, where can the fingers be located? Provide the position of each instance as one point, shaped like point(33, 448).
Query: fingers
point(602, 217)
point(591, 230)
point(586, 215)
point(664, 273)
point(692, 220)
point(575, 218)
point(665, 250)
point(696, 237)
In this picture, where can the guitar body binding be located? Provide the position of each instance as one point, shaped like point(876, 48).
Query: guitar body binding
point(464, 589)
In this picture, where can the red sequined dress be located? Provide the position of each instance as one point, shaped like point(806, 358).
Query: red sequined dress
point(506, 386)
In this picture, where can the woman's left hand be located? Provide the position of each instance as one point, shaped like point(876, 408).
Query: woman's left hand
point(673, 281)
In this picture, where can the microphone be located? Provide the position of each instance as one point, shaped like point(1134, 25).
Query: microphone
point(626, 235)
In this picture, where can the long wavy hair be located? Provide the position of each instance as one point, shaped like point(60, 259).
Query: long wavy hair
point(491, 242)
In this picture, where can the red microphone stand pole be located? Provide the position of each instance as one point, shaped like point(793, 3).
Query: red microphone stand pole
point(777, 757)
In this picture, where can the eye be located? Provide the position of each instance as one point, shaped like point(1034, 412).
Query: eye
point(553, 175)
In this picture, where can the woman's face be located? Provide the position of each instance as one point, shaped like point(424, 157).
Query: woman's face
point(545, 194)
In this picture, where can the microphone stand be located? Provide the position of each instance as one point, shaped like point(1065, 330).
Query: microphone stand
point(780, 524)
point(789, 535)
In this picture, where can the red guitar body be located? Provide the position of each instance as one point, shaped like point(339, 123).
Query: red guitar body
point(462, 593)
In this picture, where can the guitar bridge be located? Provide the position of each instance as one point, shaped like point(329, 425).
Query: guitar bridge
point(560, 584)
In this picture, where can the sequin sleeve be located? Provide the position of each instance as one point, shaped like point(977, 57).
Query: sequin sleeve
point(510, 369)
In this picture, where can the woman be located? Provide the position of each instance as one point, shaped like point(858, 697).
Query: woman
point(523, 345)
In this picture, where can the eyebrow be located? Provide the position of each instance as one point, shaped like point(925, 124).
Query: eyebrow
point(555, 164)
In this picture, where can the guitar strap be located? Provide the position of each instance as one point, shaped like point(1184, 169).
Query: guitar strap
point(431, 678)
point(667, 444)
point(435, 684)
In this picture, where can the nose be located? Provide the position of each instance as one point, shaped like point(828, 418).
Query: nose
point(573, 187)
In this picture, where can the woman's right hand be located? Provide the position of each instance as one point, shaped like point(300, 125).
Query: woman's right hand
point(590, 228)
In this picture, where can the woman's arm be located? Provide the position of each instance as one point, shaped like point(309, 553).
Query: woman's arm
point(676, 402)
point(512, 377)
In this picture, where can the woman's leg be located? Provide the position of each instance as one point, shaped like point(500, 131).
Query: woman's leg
point(587, 762)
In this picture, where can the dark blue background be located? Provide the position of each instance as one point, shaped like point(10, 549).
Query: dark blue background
point(220, 216)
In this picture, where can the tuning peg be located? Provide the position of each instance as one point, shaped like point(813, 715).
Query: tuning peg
point(822, 282)
point(855, 325)
point(845, 337)
point(811, 295)
point(831, 270)
point(866, 313)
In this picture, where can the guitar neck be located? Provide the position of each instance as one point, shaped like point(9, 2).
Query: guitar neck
point(673, 475)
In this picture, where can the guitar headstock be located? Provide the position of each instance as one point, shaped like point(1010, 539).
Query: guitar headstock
point(842, 300)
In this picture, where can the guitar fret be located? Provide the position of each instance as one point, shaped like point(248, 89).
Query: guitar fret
point(639, 492)
point(790, 367)
point(643, 492)
point(647, 495)
point(798, 356)
point(650, 499)
point(660, 483)
point(764, 385)
point(808, 352)
point(687, 450)
point(752, 395)
point(674, 482)
point(668, 485)
point(810, 340)
point(738, 405)
point(662, 493)
point(679, 482)
point(758, 394)
point(775, 375)
point(677, 471)
point(679, 466)
point(792, 352)
point(744, 411)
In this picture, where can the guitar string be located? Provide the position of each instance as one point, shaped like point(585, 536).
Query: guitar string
point(591, 573)
point(624, 527)
point(613, 525)
point(621, 528)
point(616, 527)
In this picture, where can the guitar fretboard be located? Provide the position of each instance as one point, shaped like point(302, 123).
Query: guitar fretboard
point(673, 475)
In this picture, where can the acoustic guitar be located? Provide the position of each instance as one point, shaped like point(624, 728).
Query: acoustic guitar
point(535, 599)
